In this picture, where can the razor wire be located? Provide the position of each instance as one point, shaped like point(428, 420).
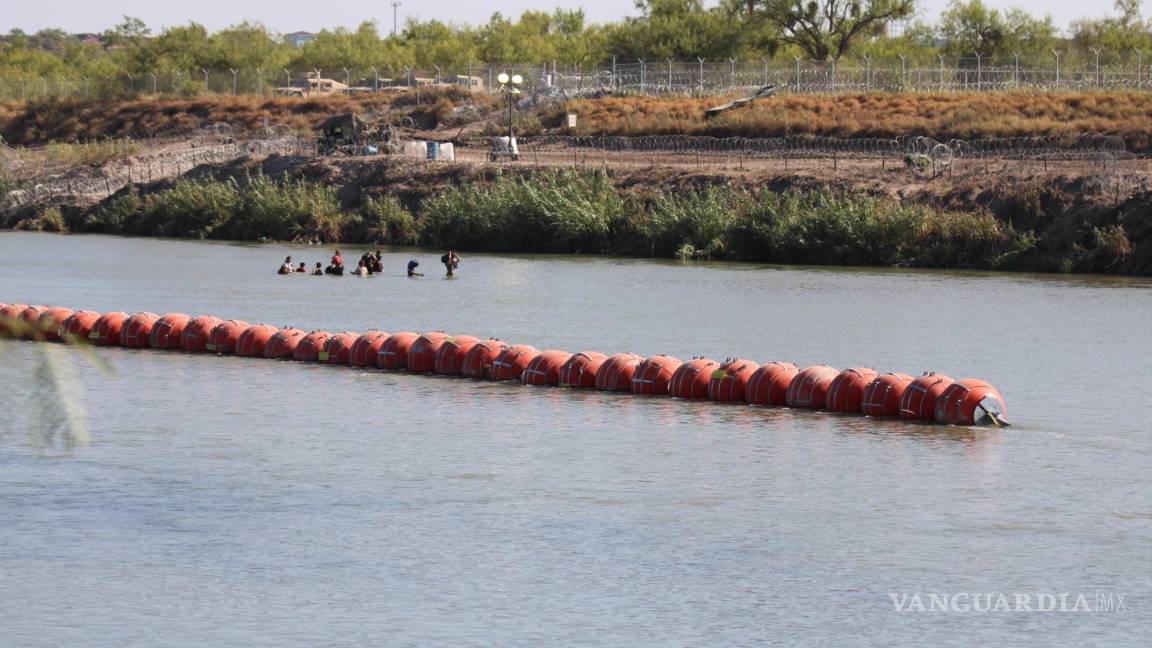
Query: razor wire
point(1084, 147)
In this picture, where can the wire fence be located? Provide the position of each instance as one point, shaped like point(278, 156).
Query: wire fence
point(1103, 71)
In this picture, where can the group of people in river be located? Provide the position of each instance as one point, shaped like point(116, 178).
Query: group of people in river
point(370, 263)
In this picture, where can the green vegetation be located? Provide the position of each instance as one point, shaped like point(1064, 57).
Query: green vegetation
point(575, 212)
point(749, 30)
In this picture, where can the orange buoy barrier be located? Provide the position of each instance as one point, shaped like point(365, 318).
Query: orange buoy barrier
point(970, 402)
point(918, 403)
point(882, 395)
point(810, 387)
point(195, 335)
point(846, 393)
point(50, 321)
point(225, 335)
point(653, 374)
point(478, 361)
point(168, 331)
point(137, 330)
point(544, 370)
point(422, 353)
point(393, 354)
point(30, 317)
point(512, 361)
point(9, 312)
point(338, 348)
point(79, 325)
point(617, 372)
point(581, 369)
point(311, 346)
point(768, 385)
point(254, 340)
point(365, 348)
point(106, 330)
point(450, 358)
point(729, 382)
point(282, 345)
point(691, 378)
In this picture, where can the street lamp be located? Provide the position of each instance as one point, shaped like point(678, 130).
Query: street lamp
point(510, 85)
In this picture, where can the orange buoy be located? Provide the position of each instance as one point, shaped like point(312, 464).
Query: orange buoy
point(450, 358)
point(10, 313)
point(393, 354)
point(338, 348)
point(254, 340)
point(918, 403)
point(653, 375)
point(729, 382)
point(50, 321)
point(768, 385)
point(282, 345)
point(422, 354)
point(30, 318)
point(225, 335)
point(78, 325)
point(616, 373)
point(168, 331)
point(106, 330)
point(809, 388)
point(544, 370)
point(971, 402)
point(846, 393)
point(478, 361)
point(581, 369)
point(691, 378)
point(195, 335)
point(512, 362)
point(137, 330)
point(311, 346)
point(882, 395)
point(364, 349)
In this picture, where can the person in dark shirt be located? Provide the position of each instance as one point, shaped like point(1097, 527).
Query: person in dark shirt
point(451, 261)
point(412, 265)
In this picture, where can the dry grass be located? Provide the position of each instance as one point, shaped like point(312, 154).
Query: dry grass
point(943, 116)
point(39, 123)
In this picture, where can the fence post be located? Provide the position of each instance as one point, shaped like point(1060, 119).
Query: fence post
point(1096, 51)
point(941, 57)
point(438, 74)
point(259, 81)
point(87, 88)
point(205, 80)
point(469, 77)
point(797, 73)
point(979, 72)
point(1139, 69)
point(732, 72)
point(1016, 70)
point(833, 75)
point(234, 72)
point(765, 71)
point(700, 80)
point(643, 70)
point(1057, 55)
point(669, 61)
point(867, 74)
point(903, 71)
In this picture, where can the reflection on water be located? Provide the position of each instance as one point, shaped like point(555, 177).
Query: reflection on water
point(232, 501)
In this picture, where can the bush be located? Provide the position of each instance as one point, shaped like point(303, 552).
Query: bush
point(386, 221)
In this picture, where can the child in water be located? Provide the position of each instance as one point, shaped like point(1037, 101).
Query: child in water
point(319, 271)
point(412, 265)
point(286, 268)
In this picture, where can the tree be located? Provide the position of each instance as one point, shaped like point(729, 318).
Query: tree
point(1127, 33)
point(131, 32)
point(973, 29)
point(828, 29)
point(678, 29)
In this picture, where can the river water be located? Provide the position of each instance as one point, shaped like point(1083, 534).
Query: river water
point(225, 501)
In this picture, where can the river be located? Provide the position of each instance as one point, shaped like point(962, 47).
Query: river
point(225, 501)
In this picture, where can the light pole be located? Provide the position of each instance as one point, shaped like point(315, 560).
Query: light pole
point(395, 5)
point(511, 86)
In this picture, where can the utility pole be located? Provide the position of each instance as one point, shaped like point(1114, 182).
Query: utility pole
point(395, 5)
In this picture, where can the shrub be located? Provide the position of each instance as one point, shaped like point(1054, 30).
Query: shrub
point(386, 221)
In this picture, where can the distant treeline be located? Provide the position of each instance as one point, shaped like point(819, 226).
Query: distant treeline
point(749, 30)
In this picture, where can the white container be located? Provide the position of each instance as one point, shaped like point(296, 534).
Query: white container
point(416, 149)
point(447, 152)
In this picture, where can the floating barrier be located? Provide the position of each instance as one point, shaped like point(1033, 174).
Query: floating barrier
point(450, 358)
point(653, 375)
point(617, 372)
point(168, 331)
point(195, 335)
point(254, 340)
point(691, 378)
point(478, 362)
point(581, 369)
point(366, 348)
point(544, 370)
point(768, 385)
point(137, 330)
point(225, 335)
point(512, 361)
point(929, 397)
point(729, 383)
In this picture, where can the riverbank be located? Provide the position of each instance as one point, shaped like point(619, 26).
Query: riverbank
point(1061, 224)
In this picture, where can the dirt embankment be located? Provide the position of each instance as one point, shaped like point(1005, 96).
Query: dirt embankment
point(1064, 213)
